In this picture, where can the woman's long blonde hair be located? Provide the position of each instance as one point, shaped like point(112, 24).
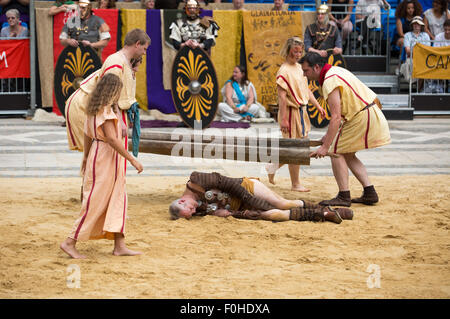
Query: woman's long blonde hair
point(292, 41)
point(105, 94)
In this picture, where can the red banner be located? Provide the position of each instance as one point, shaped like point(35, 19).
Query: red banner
point(111, 17)
point(14, 59)
point(58, 23)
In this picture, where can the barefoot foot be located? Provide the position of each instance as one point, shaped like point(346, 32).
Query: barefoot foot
point(124, 251)
point(70, 250)
point(299, 188)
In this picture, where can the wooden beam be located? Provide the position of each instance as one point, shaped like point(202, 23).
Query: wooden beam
point(234, 152)
point(226, 139)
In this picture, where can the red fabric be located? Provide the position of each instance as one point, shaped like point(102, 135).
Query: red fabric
point(58, 23)
point(324, 71)
point(14, 59)
point(111, 17)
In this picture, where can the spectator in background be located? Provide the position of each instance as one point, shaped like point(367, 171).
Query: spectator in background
point(417, 35)
point(435, 17)
point(60, 6)
point(149, 4)
point(340, 18)
point(20, 5)
point(404, 14)
point(278, 5)
point(443, 36)
point(368, 19)
point(238, 4)
point(107, 4)
point(14, 28)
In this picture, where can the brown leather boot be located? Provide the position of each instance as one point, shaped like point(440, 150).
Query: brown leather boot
point(332, 215)
point(341, 199)
point(345, 213)
point(369, 196)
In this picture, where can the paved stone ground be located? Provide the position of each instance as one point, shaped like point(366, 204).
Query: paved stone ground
point(37, 149)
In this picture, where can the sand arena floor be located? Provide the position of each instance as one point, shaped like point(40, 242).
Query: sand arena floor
point(399, 248)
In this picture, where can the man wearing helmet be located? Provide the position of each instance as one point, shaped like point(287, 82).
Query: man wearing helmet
point(87, 29)
point(192, 30)
point(321, 35)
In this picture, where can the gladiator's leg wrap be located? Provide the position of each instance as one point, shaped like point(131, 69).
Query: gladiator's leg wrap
point(306, 214)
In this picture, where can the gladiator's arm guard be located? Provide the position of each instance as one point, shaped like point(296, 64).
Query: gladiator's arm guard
point(231, 186)
point(207, 44)
point(246, 214)
point(176, 44)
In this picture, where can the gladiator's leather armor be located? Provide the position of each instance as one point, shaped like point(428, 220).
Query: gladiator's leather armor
point(322, 39)
point(232, 186)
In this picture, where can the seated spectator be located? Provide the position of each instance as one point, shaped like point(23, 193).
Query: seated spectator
point(148, 4)
point(444, 37)
point(435, 17)
point(278, 5)
point(340, 19)
point(14, 28)
point(321, 35)
point(417, 35)
point(20, 5)
point(239, 99)
point(61, 6)
point(107, 4)
point(238, 4)
point(404, 14)
point(368, 20)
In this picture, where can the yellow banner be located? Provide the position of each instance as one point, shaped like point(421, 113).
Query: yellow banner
point(225, 54)
point(131, 19)
point(265, 33)
point(431, 62)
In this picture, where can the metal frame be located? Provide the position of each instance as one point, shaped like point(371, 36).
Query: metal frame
point(32, 81)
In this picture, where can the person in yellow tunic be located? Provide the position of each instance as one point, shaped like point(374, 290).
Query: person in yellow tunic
point(293, 97)
point(135, 46)
point(104, 204)
point(357, 123)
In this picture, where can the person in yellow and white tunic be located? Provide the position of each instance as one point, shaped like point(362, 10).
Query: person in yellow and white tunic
point(293, 96)
point(135, 46)
point(357, 123)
